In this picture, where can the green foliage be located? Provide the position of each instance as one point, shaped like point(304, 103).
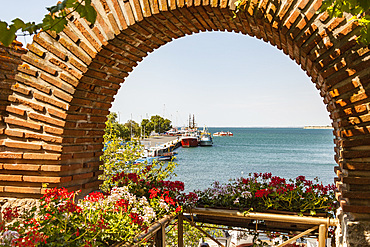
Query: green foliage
point(113, 129)
point(358, 8)
point(157, 124)
point(118, 157)
point(55, 20)
point(262, 192)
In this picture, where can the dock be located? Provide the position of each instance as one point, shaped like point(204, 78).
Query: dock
point(165, 143)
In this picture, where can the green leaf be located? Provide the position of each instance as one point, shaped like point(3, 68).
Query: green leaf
point(18, 23)
point(7, 34)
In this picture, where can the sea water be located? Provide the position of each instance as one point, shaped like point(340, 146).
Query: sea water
point(285, 152)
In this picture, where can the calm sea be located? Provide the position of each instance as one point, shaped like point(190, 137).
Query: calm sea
point(285, 152)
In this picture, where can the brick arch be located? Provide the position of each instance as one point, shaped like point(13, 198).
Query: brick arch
point(53, 117)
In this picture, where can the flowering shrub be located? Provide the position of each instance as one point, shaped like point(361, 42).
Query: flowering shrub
point(131, 203)
point(261, 192)
point(97, 220)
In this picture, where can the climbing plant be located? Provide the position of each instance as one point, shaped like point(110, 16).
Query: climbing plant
point(359, 9)
point(55, 20)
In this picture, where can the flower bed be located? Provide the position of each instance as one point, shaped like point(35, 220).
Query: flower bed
point(100, 219)
point(134, 201)
point(262, 192)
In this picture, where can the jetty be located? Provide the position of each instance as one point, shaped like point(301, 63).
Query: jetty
point(167, 142)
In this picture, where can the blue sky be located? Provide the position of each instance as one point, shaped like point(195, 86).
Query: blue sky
point(224, 79)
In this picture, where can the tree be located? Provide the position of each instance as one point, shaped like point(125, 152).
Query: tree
point(157, 124)
point(359, 9)
point(55, 20)
point(113, 129)
point(133, 127)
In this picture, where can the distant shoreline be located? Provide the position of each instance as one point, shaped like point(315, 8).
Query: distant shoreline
point(317, 127)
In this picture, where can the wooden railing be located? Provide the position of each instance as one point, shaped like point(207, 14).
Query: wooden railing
point(157, 229)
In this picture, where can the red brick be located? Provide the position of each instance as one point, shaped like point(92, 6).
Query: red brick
point(12, 155)
point(23, 190)
point(97, 173)
point(49, 147)
point(15, 133)
point(25, 68)
point(71, 34)
point(42, 179)
point(15, 110)
point(58, 83)
point(72, 48)
point(60, 168)
point(23, 145)
point(114, 24)
point(13, 178)
point(66, 68)
point(356, 194)
point(87, 35)
point(71, 80)
point(87, 49)
point(57, 113)
point(22, 101)
point(74, 132)
point(21, 167)
point(49, 47)
point(35, 50)
point(30, 81)
point(99, 35)
point(46, 119)
point(83, 155)
point(120, 14)
point(83, 176)
point(48, 99)
point(78, 65)
point(53, 130)
point(41, 156)
point(38, 64)
point(22, 123)
point(92, 184)
point(63, 96)
point(47, 138)
point(355, 208)
point(20, 89)
point(92, 164)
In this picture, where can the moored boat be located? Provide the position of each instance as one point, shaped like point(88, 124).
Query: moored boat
point(223, 133)
point(205, 138)
point(189, 141)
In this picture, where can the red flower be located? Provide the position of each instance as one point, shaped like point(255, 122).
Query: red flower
point(94, 196)
point(245, 181)
point(301, 178)
point(153, 192)
point(267, 175)
point(178, 209)
point(136, 219)
point(275, 181)
point(69, 206)
point(262, 193)
point(133, 177)
point(10, 213)
point(122, 204)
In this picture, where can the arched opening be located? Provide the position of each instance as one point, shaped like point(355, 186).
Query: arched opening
point(257, 86)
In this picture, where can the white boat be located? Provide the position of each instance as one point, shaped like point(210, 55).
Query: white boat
point(205, 138)
point(223, 133)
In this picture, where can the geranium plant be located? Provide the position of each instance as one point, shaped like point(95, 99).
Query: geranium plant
point(260, 192)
